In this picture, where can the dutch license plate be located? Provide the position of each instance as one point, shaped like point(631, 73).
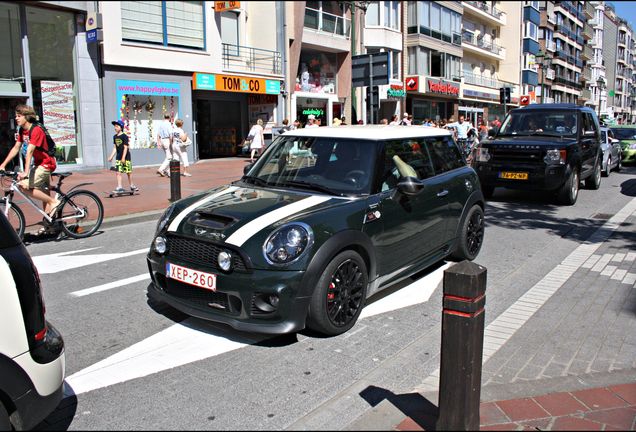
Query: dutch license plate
point(513, 176)
point(192, 277)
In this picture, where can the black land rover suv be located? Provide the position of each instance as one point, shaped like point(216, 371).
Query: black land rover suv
point(548, 147)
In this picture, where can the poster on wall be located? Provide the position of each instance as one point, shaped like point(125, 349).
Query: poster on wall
point(142, 105)
point(58, 112)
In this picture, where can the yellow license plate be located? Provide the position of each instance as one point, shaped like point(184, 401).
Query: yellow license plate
point(513, 176)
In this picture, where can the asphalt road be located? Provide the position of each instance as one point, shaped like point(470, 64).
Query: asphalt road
point(135, 365)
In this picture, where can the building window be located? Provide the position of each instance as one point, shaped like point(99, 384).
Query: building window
point(419, 60)
point(230, 31)
point(531, 30)
point(431, 19)
point(174, 23)
point(383, 13)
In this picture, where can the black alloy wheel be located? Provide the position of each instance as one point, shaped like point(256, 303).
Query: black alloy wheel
point(339, 295)
point(472, 235)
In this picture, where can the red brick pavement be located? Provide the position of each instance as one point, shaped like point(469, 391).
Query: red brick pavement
point(605, 408)
point(154, 190)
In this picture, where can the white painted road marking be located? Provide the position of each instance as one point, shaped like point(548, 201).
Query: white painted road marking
point(193, 340)
point(111, 285)
point(59, 262)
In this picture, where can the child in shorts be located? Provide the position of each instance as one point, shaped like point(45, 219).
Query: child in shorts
point(123, 163)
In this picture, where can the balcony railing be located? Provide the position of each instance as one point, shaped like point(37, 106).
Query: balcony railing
point(470, 39)
point(562, 80)
point(550, 45)
point(248, 59)
point(490, 10)
point(328, 23)
point(550, 74)
point(551, 17)
point(471, 78)
point(586, 94)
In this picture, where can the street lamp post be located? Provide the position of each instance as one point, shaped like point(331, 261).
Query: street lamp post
point(600, 83)
point(362, 6)
point(544, 64)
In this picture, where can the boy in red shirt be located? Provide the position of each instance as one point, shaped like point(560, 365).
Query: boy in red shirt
point(38, 165)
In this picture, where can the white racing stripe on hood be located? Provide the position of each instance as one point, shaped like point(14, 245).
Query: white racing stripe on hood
point(175, 223)
point(251, 228)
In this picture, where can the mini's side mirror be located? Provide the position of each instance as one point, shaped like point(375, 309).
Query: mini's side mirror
point(247, 168)
point(410, 186)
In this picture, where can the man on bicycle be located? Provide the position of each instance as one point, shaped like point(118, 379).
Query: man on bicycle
point(38, 165)
point(462, 127)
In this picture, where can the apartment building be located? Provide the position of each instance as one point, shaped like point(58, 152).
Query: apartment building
point(215, 65)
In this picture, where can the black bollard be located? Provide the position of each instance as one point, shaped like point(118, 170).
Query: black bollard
point(462, 347)
point(175, 180)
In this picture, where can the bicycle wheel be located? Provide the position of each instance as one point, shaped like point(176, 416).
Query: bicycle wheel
point(85, 212)
point(15, 216)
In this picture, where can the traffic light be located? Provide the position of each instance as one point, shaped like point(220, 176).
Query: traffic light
point(504, 95)
point(375, 104)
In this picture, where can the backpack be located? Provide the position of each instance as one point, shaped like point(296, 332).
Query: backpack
point(49, 141)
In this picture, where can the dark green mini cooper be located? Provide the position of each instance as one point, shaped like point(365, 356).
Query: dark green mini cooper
point(324, 219)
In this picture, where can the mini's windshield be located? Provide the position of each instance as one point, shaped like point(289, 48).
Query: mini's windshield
point(531, 122)
point(325, 165)
point(624, 133)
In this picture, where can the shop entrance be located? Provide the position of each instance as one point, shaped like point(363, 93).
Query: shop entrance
point(473, 115)
point(8, 129)
point(218, 127)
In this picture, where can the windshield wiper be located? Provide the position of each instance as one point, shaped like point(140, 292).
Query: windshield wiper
point(257, 180)
point(311, 185)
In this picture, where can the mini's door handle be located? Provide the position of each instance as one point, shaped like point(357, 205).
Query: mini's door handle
point(442, 193)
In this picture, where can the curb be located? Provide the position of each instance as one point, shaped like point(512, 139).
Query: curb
point(116, 221)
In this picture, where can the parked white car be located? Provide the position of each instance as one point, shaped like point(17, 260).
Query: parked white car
point(612, 152)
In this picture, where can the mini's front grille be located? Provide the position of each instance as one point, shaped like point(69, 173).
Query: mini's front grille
point(203, 297)
point(514, 156)
point(200, 252)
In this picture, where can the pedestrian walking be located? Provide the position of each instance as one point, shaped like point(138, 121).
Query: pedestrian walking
point(257, 138)
point(394, 120)
point(311, 121)
point(405, 120)
point(123, 161)
point(179, 146)
point(164, 140)
point(38, 164)
point(286, 127)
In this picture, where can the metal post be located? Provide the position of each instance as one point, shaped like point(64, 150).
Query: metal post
point(462, 347)
point(371, 89)
point(175, 180)
point(353, 53)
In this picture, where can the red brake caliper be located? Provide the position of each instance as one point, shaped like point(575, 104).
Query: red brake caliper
point(331, 295)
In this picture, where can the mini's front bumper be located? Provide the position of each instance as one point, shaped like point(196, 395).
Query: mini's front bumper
point(235, 300)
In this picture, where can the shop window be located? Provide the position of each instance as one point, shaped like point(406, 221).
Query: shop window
point(11, 76)
point(174, 23)
point(51, 47)
point(317, 72)
point(142, 105)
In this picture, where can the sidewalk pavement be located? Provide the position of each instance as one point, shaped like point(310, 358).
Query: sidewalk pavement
point(154, 190)
point(570, 364)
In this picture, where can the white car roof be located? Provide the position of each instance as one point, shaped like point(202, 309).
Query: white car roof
point(371, 132)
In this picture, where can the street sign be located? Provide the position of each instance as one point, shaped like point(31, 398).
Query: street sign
point(94, 36)
point(370, 69)
point(524, 100)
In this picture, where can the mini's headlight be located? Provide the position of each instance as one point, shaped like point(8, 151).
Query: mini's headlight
point(165, 217)
point(161, 244)
point(555, 157)
point(224, 260)
point(288, 243)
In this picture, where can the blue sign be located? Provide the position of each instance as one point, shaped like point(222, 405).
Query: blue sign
point(94, 36)
point(272, 87)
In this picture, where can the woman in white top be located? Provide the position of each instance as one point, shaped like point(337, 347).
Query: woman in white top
point(179, 151)
point(258, 139)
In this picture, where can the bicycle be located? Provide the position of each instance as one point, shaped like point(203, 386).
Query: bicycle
point(80, 214)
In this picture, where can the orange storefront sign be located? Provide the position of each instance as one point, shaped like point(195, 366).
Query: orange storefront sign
point(220, 6)
point(231, 83)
